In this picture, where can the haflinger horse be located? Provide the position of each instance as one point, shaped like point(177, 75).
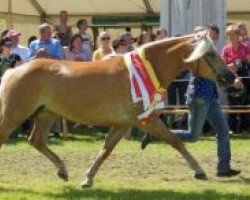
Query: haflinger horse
point(99, 93)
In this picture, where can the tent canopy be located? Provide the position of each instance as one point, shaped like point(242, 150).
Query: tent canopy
point(26, 15)
point(80, 7)
point(95, 7)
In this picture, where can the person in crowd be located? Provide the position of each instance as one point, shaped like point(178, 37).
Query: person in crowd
point(46, 46)
point(202, 100)
point(144, 38)
point(82, 26)
point(176, 96)
point(246, 40)
point(105, 47)
point(55, 35)
point(31, 39)
point(18, 49)
point(161, 33)
point(243, 33)
point(120, 45)
point(76, 51)
point(3, 34)
point(237, 56)
point(8, 60)
point(63, 29)
point(130, 40)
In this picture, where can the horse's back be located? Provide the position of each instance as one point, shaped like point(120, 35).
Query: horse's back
point(91, 92)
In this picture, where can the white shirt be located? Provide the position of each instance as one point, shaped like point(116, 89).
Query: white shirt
point(22, 51)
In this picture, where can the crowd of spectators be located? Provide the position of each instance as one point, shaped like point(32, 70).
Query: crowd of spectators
point(59, 42)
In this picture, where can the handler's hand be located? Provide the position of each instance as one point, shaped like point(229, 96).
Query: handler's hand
point(41, 53)
point(238, 83)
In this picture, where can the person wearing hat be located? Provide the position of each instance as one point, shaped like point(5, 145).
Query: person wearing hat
point(46, 46)
point(8, 60)
point(18, 49)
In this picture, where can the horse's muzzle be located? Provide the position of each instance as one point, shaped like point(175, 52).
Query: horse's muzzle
point(226, 77)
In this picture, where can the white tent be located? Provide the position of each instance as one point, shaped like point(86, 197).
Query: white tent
point(26, 15)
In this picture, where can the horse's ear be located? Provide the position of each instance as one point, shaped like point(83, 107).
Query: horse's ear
point(201, 47)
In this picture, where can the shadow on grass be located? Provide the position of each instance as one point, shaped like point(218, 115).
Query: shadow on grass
point(74, 193)
point(72, 137)
point(91, 135)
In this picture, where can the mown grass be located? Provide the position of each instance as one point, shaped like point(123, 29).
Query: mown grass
point(129, 173)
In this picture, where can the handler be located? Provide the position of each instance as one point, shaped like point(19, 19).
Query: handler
point(203, 103)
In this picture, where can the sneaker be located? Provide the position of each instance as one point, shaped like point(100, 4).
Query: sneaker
point(229, 173)
point(145, 141)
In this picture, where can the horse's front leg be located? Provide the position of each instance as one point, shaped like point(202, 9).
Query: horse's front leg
point(115, 135)
point(158, 129)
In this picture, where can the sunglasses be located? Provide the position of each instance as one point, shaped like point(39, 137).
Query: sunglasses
point(85, 39)
point(105, 38)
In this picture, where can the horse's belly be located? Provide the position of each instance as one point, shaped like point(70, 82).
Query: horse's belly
point(89, 108)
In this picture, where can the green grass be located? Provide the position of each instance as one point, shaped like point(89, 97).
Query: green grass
point(129, 173)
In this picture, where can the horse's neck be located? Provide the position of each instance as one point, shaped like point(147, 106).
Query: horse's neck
point(167, 59)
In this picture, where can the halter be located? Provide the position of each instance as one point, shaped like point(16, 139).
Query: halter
point(218, 76)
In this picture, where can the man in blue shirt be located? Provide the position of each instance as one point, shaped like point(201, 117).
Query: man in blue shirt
point(203, 104)
point(46, 47)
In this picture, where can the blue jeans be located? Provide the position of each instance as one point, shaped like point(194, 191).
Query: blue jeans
point(201, 110)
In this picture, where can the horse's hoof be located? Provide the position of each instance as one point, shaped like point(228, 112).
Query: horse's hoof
point(87, 184)
point(200, 176)
point(63, 175)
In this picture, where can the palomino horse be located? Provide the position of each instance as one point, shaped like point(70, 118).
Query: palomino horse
point(98, 93)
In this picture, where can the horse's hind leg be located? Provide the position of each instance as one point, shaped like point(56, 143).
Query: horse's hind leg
point(42, 125)
point(158, 128)
point(8, 122)
point(115, 135)
point(5, 131)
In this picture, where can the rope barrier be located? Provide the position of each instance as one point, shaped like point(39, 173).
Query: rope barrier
point(186, 79)
point(230, 109)
point(183, 109)
point(186, 111)
point(223, 106)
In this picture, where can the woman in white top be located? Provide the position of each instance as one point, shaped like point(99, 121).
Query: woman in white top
point(82, 26)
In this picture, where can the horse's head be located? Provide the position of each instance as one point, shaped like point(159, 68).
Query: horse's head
point(173, 55)
point(206, 61)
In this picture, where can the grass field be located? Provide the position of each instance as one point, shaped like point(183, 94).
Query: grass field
point(129, 173)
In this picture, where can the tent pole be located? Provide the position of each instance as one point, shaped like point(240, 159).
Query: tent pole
point(9, 16)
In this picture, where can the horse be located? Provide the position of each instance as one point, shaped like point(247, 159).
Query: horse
point(99, 93)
